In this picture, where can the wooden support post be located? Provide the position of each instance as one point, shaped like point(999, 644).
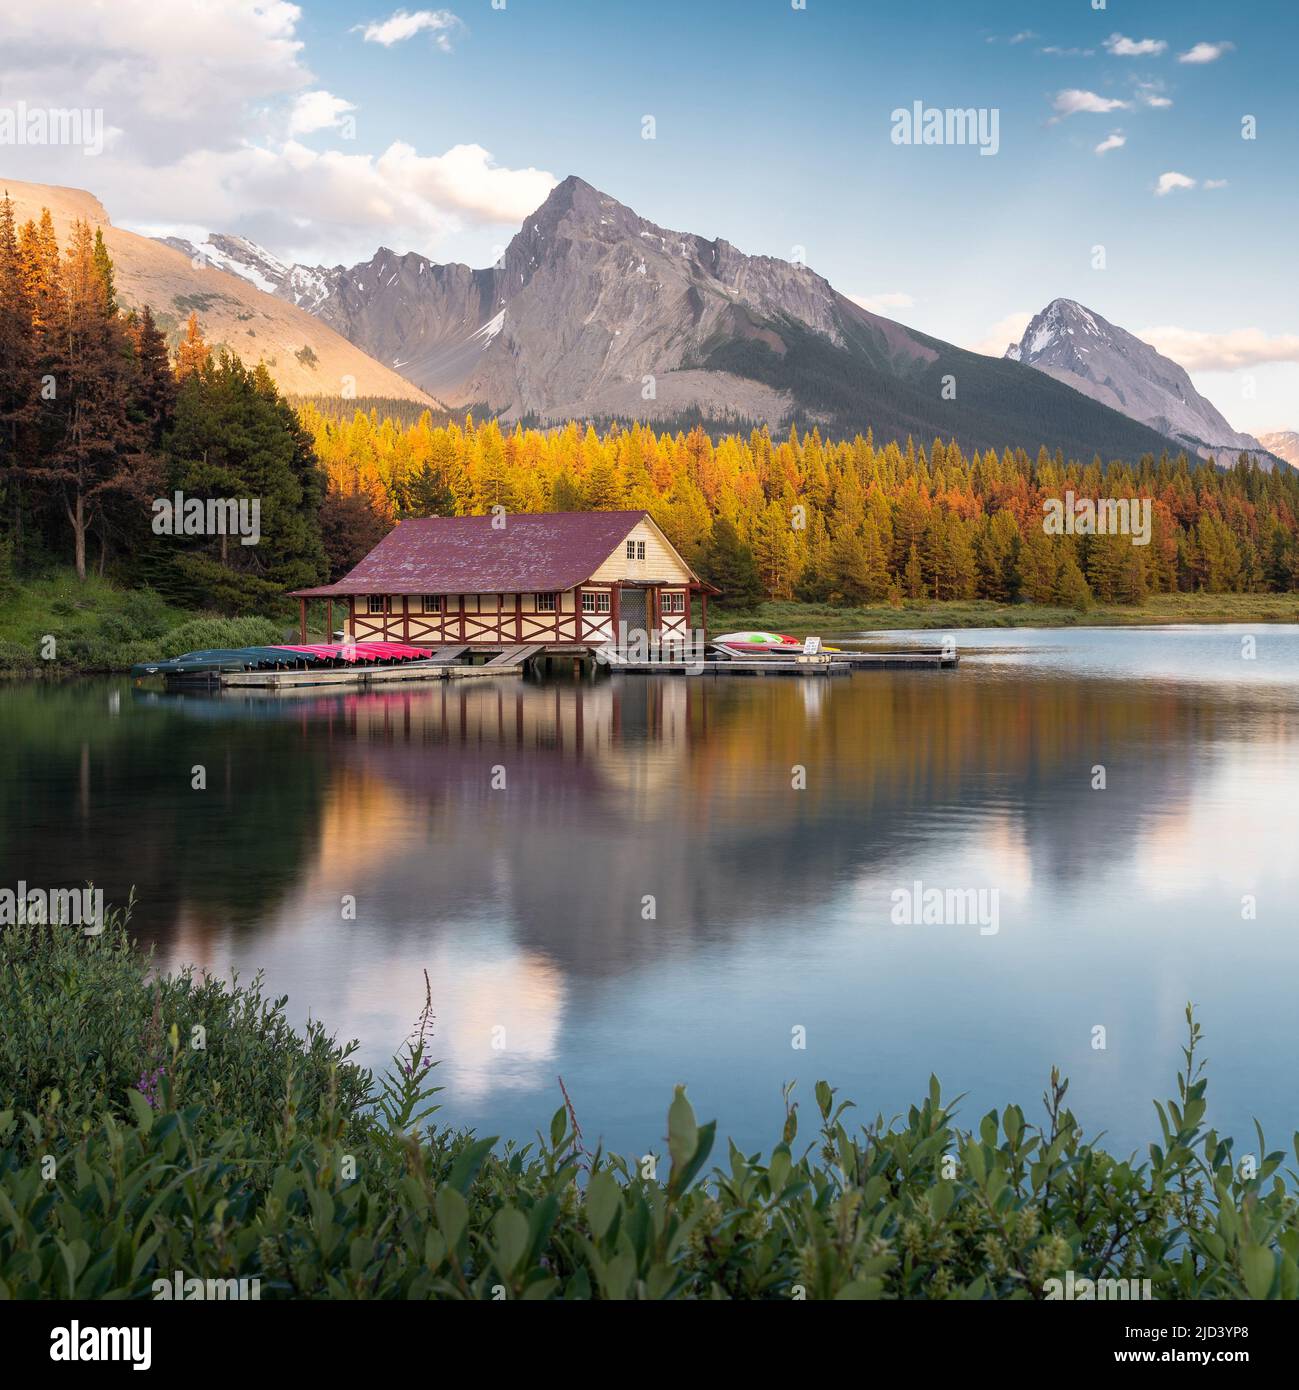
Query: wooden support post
point(302, 621)
point(329, 620)
point(703, 613)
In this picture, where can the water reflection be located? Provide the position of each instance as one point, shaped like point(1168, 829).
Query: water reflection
point(508, 837)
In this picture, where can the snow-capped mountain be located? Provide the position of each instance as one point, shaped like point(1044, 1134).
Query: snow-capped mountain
point(1077, 346)
point(595, 312)
point(306, 286)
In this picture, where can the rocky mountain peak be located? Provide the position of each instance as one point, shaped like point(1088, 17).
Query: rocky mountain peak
point(1076, 345)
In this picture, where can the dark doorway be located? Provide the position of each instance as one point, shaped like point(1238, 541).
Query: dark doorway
point(631, 610)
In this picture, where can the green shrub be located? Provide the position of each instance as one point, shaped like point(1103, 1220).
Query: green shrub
point(270, 1156)
point(202, 633)
point(14, 656)
point(146, 613)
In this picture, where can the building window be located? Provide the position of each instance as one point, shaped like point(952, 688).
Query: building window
point(545, 603)
point(378, 603)
point(631, 550)
point(674, 603)
point(595, 603)
point(640, 550)
point(432, 603)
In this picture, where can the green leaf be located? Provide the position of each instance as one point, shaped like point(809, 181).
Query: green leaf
point(465, 1169)
point(558, 1125)
point(511, 1231)
point(141, 1109)
point(824, 1098)
point(603, 1197)
point(683, 1131)
point(679, 1182)
point(453, 1214)
point(1259, 1265)
point(941, 1197)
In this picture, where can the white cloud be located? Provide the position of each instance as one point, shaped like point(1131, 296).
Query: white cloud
point(403, 25)
point(1001, 334)
point(200, 77)
point(1152, 94)
point(311, 204)
point(883, 303)
point(1122, 47)
point(1057, 52)
point(317, 111)
point(1116, 141)
point(1215, 183)
point(1222, 352)
point(1205, 52)
point(1072, 101)
point(208, 112)
point(1170, 181)
point(1023, 36)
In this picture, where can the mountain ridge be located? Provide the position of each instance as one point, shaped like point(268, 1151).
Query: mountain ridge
point(1076, 345)
point(304, 355)
point(594, 311)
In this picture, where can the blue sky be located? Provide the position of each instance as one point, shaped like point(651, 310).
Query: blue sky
point(772, 130)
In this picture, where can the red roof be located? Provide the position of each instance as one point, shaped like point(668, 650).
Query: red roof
point(533, 552)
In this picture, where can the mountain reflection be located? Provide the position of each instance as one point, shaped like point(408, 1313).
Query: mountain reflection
point(507, 836)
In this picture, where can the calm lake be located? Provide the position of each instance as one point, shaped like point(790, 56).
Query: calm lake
point(772, 906)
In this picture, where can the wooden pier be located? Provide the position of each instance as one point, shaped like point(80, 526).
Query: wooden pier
point(366, 676)
point(905, 657)
point(474, 661)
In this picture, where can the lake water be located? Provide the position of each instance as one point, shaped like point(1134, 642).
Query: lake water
point(772, 904)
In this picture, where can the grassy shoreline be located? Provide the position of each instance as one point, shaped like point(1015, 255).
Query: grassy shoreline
point(1160, 609)
point(192, 1130)
point(100, 627)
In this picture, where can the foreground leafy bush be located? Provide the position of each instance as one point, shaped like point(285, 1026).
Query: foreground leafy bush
point(128, 1154)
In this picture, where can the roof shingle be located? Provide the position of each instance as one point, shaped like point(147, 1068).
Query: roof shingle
point(533, 552)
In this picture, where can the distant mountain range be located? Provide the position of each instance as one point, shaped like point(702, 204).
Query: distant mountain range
point(304, 355)
point(594, 312)
point(1076, 345)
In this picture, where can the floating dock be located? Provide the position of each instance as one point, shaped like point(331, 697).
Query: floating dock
point(366, 675)
point(473, 661)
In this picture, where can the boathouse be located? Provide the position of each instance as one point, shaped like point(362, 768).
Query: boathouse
point(560, 580)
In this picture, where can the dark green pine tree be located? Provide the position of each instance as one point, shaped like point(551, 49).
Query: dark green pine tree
point(728, 563)
point(104, 265)
point(236, 438)
point(154, 387)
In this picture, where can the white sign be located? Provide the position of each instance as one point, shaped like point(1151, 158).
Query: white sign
point(811, 646)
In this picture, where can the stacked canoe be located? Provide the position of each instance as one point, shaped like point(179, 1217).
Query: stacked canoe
point(215, 660)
